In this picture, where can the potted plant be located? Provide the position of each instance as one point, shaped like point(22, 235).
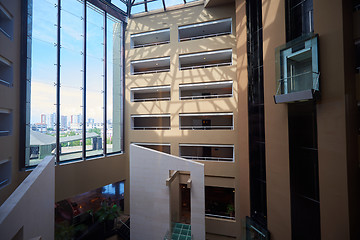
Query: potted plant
point(107, 215)
point(230, 210)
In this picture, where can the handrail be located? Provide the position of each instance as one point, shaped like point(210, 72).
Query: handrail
point(151, 128)
point(315, 83)
point(150, 44)
point(151, 71)
point(219, 216)
point(5, 82)
point(203, 36)
point(206, 127)
point(206, 66)
point(151, 99)
point(208, 158)
point(206, 96)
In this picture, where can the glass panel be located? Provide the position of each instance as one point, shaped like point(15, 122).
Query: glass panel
point(219, 202)
point(71, 79)
point(169, 3)
point(120, 5)
point(155, 5)
point(114, 85)
point(43, 78)
point(94, 81)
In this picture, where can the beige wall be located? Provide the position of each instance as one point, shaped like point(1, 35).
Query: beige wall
point(276, 126)
point(150, 207)
point(337, 131)
point(30, 208)
point(173, 19)
point(10, 99)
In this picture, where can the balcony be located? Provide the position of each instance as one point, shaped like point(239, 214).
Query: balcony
point(161, 147)
point(6, 72)
point(147, 94)
point(150, 122)
point(205, 30)
point(221, 89)
point(297, 71)
point(154, 65)
point(206, 59)
point(206, 121)
point(204, 152)
point(151, 38)
point(5, 122)
point(6, 22)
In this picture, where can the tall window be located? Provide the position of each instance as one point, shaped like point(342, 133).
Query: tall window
point(299, 18)
point(74, 87)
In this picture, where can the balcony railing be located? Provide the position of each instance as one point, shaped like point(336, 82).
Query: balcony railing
point(206, 96)
point(152, 99)
point(151, 71)
point(204, 36)
point(206, 66)
point(219, 159)
point(219, 216)
point(150, 44)
point(299, 82)
point(151, 128)
point(206, 127)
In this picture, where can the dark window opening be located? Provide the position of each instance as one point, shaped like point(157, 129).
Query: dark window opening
point(258, 205)
point(219, 202)
point(304, 174)
point(299, 20)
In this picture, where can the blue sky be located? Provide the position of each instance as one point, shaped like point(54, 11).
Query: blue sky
point(43, 75)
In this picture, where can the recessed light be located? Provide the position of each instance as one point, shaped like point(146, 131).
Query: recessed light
point(204, 58)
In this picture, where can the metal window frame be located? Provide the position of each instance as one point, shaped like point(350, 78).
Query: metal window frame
point(107, 8)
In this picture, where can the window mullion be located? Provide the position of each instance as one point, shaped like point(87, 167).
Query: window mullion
point(105, 85)
point(84, 88)
point(58, 145)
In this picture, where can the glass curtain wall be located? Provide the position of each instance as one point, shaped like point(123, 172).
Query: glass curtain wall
point(74, 81)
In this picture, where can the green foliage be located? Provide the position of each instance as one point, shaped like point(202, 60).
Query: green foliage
point(230, 209)
point(108, 212)
point(65, 231)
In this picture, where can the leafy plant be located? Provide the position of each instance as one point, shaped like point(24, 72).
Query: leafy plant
point(230, 209)
point(108, 212)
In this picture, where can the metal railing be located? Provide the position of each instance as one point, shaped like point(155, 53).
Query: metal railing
point(151, 71)
point(150, 44)
point(206, 127)
point(208, 158)
point(285, 80)
point(206, 96)
point(151, 128)
point(5, 83)
point(219, 216)
point(151, 99)
point(206, 66)
point(204, 36)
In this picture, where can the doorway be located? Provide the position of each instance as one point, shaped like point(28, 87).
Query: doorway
point(185, 208)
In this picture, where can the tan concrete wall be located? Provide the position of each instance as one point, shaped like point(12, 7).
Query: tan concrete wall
point(276, 126)
point(30, 209)
point(150, 196)
point(173, 19)
point(242, 185)
point(10, 99)
point(338, 172)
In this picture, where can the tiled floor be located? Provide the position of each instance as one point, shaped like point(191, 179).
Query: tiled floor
point(181, 232)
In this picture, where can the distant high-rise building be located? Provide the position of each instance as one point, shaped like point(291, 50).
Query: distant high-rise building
point(43, 119)
point(51, 121)
point(63, 122)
